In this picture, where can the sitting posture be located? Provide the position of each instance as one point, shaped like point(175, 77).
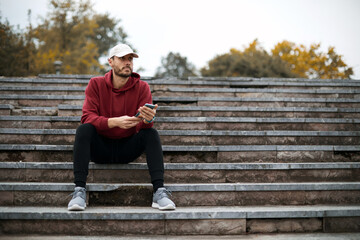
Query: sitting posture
point(117, 127)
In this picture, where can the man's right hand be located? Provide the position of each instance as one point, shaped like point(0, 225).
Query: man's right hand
point(124, 122)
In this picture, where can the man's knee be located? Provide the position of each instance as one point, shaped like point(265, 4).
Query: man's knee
point(150, 132)
point(85, 131)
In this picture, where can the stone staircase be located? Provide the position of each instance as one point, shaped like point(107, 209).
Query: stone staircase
point(242, 156)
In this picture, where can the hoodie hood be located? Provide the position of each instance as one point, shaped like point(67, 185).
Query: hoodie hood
point(133, 79)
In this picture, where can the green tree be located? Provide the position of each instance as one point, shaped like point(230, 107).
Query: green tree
point(174, 65)
point(310, 62)
point(253, 61)
point(74, 34)
point(13, 52)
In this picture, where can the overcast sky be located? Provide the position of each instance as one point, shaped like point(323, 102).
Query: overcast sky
point(202, 29)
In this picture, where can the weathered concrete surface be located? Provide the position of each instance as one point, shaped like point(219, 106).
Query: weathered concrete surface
point(218, 195)
point(184, 175)
point(275, 236)
point(196, 156)
point(341, 224)
point(284, 225)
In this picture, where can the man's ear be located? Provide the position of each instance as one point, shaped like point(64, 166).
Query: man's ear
point(110, 60)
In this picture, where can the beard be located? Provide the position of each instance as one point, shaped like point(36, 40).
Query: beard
point(120, 73)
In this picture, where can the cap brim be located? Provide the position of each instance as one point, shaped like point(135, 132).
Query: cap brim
point(127, 53)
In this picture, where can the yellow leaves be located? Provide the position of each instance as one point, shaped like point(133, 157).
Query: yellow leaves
point(235, 51)
point(287, 59)
point(311, 62)
point(253, 47)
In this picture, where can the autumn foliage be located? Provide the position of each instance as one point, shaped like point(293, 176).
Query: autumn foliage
point(285, 60)
point(75, 34)
point(310, 62)
point(72, 33)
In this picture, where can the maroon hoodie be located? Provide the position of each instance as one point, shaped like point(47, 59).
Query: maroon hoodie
point(103, 101)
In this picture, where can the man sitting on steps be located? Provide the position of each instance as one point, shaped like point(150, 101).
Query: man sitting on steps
point(111, 133)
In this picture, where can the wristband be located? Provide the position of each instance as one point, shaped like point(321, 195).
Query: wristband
point(150, 120)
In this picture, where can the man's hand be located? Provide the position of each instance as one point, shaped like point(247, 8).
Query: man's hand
point(147, 113)
point(124, 122)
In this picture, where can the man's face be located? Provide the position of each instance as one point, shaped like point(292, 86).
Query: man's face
point(122, 66)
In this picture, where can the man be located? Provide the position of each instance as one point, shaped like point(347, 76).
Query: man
point(111, 133)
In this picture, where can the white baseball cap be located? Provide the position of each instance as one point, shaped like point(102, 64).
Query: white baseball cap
point(121, 50)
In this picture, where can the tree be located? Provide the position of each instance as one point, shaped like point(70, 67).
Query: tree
point(13, 52)
point(254, 61)
point(311, 62)
point(74, 34)
point(174, 65)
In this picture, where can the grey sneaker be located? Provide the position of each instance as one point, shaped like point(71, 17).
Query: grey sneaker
point(162, 201)
point(78, 201)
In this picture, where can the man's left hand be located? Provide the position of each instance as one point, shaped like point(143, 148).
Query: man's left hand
point(147, 113)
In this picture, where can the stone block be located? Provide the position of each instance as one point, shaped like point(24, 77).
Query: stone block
point(65, 125)
point(300, 225)
point(5, 111)
point(20, 139)
point(12, 175)
point(303, 156)
point(65, 112)
point(184, 175)
point(303, 175)
point(191, 157)
point(51, 175)
point(341, 224)
point(82, 227)
point(6, 199)
point(194, 176)
point(206, 227)
point(120, 176)
point(58, 139)
point(254, 157)
point(259, 198)
point(30, 198)
point(26, 124)
point(180, 126)
point(126, 196)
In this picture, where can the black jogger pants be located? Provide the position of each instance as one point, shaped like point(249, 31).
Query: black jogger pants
point(90, 146)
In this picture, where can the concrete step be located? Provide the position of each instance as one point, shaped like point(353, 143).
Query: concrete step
point(184, 195)
point(196, 92)
point(202, 82)
point(41, 82)
point(196, 111)
point(197, 123)
point(185, 172)
point(250, 236)
point(192, 78)
point(260, 102)
point(253, 92)
point(195, 137)
point(104, 221)
point(267, 79)
point(213, 111)
point(199, 154)
point(163, 84)
point(54, 100)
point(6, 109)
point(48, 90)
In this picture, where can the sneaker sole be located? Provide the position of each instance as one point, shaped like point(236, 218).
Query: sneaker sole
point(76, 207)
point(168, 207)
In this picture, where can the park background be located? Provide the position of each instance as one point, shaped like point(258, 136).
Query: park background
point(200, 31)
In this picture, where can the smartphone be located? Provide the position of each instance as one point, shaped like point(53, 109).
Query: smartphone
point(146, 105)
point(149, 105)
